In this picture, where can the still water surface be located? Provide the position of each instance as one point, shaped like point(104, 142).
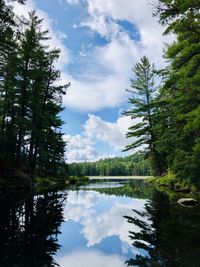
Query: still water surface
point(104, 224)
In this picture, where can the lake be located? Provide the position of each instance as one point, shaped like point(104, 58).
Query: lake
point(103, 224)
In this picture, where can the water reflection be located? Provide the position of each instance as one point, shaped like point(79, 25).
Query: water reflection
point(126, 188)
point(93, 258)
point(100, 215)
point(169, 234)
point(95, 231)
point(29, 230)
point(130, 225)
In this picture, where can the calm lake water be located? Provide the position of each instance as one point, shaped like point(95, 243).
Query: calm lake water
point(104, 224)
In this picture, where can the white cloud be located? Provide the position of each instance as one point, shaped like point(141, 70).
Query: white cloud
point(103, 25)
point(137, 12)
point(105, 77)
point(111, 133)
point(118, 55)
point(95, 91)
point(107, 68)
point(81, 147)
point(104, 71)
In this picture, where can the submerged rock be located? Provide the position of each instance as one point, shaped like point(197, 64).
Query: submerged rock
point(187, 202)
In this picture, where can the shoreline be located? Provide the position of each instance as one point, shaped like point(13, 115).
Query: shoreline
point(118, 177)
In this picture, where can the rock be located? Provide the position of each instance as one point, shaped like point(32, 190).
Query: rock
point(187, 202)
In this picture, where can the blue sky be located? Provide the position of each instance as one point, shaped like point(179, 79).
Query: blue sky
point(100, 41)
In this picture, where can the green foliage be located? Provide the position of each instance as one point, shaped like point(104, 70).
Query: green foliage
point(118, 166)
point(143, 107)
point(175, 109)
point(173, 186)
point(168, 234)
point(30, 126)
point(181, 89)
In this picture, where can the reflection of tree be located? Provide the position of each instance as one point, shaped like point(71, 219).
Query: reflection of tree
point(169, 235)
point(134, 189)
point(29, 230)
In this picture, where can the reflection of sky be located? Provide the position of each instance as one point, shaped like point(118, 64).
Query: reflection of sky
point(104, 185)
point(94, 229)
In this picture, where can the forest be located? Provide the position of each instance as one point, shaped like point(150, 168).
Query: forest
point(31, 140)
point(52, 212)
point(134, 165)
point(166, 102)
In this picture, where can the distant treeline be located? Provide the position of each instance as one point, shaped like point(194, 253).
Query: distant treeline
point(130, 165)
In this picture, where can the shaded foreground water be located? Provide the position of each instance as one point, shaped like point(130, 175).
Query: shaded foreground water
point(107, 224)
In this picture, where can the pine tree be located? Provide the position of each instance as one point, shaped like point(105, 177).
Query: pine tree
point(181, 88)
point(142, 107)
point(8, 63)
point(31, 140)
point(39, 101)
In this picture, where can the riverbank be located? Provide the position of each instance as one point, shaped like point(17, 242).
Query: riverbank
point(49, 183)
point(118, 177)
point(174, 187)
point(24, 182)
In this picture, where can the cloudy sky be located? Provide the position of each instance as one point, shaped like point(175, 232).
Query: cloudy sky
point(100, 41)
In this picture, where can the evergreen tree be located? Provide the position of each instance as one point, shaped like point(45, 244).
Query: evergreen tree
point(39, 101)
point(8, 63)
point(181, 91)
point(119, 166)
point(143, 108)
point(7, 23)
point(30, 127)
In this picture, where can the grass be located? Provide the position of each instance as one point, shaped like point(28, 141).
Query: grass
point(173, 186)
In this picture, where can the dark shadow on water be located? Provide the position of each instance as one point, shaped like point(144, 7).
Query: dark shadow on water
point(169, 234)
point(29, 230)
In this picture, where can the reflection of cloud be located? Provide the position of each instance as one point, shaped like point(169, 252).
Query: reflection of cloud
point(79, 206)
point(82, 198)
point(98, 223)
point(90, 259)
point(111, 223)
